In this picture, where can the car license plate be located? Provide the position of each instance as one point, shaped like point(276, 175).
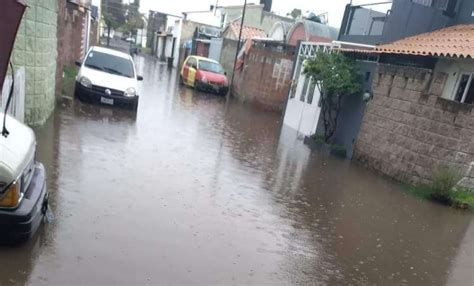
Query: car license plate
point(105, 100)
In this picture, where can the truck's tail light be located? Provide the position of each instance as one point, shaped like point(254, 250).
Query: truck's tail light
point(11, 197)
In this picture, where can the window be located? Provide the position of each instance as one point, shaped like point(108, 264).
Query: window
point(465, 89)
point(210, 67)
point(367, 76)
point(192, 63)
point(109, 63)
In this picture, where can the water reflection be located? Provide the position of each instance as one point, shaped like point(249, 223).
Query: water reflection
point(196, 190)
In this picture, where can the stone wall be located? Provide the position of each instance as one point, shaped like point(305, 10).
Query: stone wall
point(408, 130)
point(265, 77)
point(35, 49)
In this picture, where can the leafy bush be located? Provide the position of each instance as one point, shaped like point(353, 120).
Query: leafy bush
point(69, 80)
point(338, 150)
point(318, 138)
point(444, 181)
point(335, 76)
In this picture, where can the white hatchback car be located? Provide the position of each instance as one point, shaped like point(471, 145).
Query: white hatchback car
point(109, 77)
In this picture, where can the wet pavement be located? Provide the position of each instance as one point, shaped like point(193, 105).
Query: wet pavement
point(197, 190)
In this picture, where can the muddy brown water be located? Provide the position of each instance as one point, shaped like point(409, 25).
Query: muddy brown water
point(192, 190)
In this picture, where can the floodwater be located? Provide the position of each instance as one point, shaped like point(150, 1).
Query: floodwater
point(194, 190)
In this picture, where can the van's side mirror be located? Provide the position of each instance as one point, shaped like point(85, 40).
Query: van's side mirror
point(225, 73)
point(78, 63)
point(139, 77)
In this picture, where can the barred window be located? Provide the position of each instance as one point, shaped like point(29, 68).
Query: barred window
point(465, 89)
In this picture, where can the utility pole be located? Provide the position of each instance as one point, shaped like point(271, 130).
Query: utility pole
point(238, 46)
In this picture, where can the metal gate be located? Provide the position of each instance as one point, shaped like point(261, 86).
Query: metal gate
point(303, 108)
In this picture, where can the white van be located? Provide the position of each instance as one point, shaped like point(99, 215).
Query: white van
point(23, 194)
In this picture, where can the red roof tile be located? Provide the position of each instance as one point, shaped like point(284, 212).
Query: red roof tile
point(247, 31)
point(455, 41)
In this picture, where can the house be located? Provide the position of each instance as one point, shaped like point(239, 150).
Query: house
point(157, 23)
point(421, 115)
point(279, 31)
point(381, 23)
point(230, 43)
point(311, 31)
point(248, 32)
point(362, 27)
point(210, 17)
point(258, 16)
point(303, 110)
point(200, 39)
point(166, 43)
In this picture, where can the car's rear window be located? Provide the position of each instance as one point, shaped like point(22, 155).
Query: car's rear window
point(210, 66)
point(109, 63)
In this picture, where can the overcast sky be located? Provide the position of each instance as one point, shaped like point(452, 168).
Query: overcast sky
point(334, 8)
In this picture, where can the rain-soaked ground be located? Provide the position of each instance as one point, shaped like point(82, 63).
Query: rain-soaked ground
point(197, 191)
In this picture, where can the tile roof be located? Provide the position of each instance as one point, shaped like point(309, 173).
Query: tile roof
point(247, 31)
point(455, 41)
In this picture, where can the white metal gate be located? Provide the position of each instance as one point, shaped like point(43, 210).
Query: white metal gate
point(303, 110)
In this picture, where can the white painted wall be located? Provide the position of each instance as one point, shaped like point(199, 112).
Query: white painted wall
point(178, 25)
point(208, 18)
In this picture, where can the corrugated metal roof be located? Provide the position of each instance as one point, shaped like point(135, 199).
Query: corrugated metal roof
point(456, 41)
point(247, 31)
point(320, 30)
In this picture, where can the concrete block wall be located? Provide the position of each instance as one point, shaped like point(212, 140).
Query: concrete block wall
point(408, 130)
point(35, 49)
point(229, 48)
point(265, 78)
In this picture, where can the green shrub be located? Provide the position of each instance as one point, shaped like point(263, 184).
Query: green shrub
point(69, 80)
point(444, 181)
point(338, 150)
point(318, 138)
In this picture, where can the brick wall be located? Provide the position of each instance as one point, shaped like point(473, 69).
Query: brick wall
point(35, 48)
point(70, 43)
point(408, 129)
point(265, 77)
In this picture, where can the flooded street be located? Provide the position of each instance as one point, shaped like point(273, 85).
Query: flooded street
point(194, 190)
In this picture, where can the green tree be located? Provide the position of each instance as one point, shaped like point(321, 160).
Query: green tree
point(133, 18)
point(335, 76)
point(111, 23)
point(295, 13)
